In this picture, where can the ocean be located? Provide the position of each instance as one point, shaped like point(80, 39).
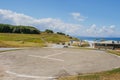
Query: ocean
point(99, 38)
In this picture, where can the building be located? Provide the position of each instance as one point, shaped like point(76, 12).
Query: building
point(75, 43)
point(107, 45)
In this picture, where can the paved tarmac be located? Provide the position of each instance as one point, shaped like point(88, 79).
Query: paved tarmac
point(50, 63)
point(3, 49)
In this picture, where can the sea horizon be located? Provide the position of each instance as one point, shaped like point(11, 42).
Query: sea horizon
point(98, 38)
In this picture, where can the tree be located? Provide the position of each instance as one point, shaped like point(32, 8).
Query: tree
point(6, 28)
point(60, 33)
point(49, 31)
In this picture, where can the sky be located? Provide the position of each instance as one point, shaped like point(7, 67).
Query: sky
point(93, 18)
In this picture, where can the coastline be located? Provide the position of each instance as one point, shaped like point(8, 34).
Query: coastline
point(99, 38)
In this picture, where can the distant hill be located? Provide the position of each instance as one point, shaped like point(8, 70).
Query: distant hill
point(6, 28)
point(27, 36)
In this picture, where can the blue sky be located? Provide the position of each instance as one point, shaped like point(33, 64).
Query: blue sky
point(74, 17)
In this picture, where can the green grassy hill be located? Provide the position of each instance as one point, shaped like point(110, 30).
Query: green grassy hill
point(29, 36)
point(31, 40)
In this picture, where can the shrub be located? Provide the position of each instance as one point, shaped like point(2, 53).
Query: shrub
point(49, 31)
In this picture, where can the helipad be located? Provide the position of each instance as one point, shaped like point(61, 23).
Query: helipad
point(50, 63)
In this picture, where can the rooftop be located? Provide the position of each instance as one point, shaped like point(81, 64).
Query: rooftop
point(109, 42)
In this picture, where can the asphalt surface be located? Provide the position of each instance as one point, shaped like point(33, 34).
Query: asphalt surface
point(4, 49)
point(50, 63)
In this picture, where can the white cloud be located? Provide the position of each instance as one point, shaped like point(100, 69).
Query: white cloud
point(77, 16)
point(103, 31)
point(10, 17)
point(7, 16)
point(92, 29)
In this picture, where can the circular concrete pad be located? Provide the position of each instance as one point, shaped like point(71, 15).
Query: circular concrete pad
point(47, 63)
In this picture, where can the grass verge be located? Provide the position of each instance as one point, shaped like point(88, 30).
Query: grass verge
point(106, 75)
point(116, 52)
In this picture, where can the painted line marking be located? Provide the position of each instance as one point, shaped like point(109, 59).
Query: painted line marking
point(27, 76)
point(55, 59)
point(53, 55)
point(46, 58)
